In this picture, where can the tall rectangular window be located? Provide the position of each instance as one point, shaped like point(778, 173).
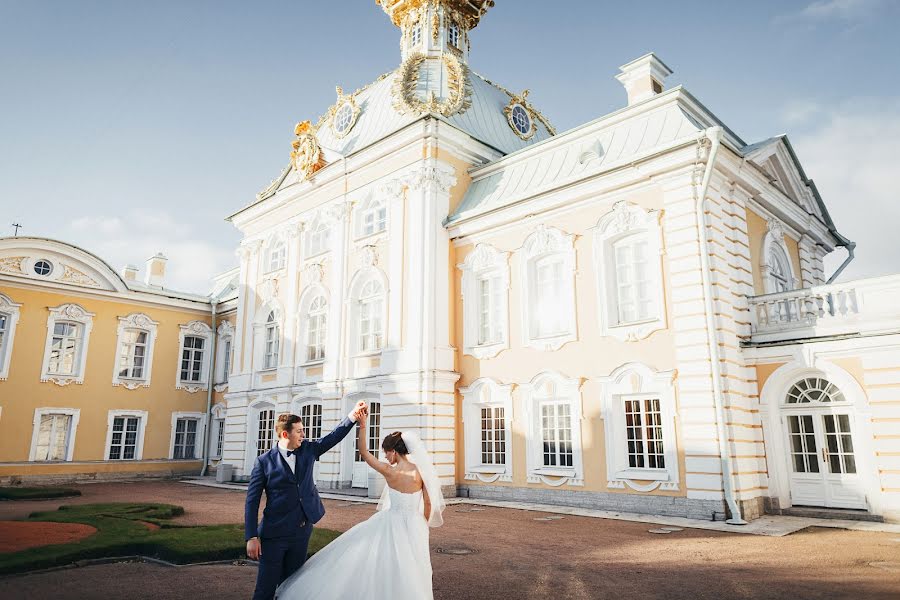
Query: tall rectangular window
point(370, 328)
point(644, 433)
point(374, 220)
point(634, 293)
point(453, 35)
point(226, 360)
point(490, 310)
point(311, 417)
point(123, 443)
point(185, 438)
point(316, 329)
point(493, 436)
point(192, 358)
point(53, 437)
point(133, 354)
point(271, 357)
point(64, 348)
point(4, 328)
point(550, 309)
point(220, 437)
point(556, 426)
point(266, 432)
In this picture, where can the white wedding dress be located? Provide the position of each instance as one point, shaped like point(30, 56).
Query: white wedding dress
point(385, 557)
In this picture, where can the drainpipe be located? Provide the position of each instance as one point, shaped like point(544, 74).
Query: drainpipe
point(715, 136)
point(209, 391)
point(850, 246)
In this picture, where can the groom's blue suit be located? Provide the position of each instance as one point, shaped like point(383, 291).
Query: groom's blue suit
point(292, 506)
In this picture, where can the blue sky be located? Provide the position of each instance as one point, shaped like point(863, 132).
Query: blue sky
point(129, 127)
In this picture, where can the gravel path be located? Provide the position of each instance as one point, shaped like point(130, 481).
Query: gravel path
point(514, 554)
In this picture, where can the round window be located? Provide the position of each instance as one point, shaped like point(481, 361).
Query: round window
point(343, 118)
point(43, 267)
point(521, 120)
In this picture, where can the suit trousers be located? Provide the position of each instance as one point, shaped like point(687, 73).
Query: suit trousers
point(281, 556)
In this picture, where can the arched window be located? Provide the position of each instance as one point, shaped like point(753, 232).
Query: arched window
point(371, 217)
point(814, 389)
point(780, 279)
point(485, 290)
point(270, 359)
point(317, 238)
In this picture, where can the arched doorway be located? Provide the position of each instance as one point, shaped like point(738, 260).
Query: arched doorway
point(819, 428)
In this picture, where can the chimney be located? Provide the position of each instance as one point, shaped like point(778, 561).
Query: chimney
point(129, 273)
point(643, 77)
point(156, 270)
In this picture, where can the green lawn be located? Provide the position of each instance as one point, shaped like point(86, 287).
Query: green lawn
point(119, 533)
point(26, 493)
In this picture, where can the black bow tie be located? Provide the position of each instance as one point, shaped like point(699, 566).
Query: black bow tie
point(290, 452)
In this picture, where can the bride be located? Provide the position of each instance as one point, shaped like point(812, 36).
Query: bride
point(386, 556)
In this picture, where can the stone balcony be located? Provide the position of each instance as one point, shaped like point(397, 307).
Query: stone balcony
point(861, 307)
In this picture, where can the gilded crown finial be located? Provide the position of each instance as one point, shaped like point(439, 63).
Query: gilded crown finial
point(340, 91)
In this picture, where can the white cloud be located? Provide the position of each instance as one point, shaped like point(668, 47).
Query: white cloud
point(827, 10)
point(139, 235)
point(851, 151)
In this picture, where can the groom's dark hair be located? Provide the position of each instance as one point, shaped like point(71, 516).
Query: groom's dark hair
point(286, 423)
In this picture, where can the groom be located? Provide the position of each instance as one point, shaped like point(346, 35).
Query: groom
point(285, 472)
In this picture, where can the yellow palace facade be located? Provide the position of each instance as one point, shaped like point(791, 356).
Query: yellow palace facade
point(631, 315)
point(103, 375)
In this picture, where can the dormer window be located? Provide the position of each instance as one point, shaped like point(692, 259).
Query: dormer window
point(453, 35)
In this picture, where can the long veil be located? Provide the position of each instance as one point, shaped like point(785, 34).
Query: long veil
point(419, 456)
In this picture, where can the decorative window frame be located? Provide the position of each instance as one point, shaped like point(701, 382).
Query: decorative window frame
point(638, 381)
point(224, 335)
point(198, 441)
point(142, 322)
point(74, 413)
point(343, 101)
point(257, 406)
point(360, 279)
point(624, 220)
point(521, 101)
point(320, 225)
point(197, 329)
point(275, 244)
point(774, 240)
point(71, 313)
point(259, 335)
point(486, 392)
point(139, 441)
point(484, 261)
point(312, 292)
point(569, 389)
point(372, 203)
point(217, 415)
point(11, 310)
point(544, 242)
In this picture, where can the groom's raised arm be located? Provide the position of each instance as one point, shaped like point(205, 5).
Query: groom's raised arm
point(251, 507)
point(340, 432)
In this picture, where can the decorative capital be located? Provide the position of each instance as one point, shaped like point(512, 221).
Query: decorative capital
point(431, 175)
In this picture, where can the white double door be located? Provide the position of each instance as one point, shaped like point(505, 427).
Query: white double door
point(360, 477)
point(823, 459)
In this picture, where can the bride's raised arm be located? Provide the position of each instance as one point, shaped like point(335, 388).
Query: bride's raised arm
point(367, 456)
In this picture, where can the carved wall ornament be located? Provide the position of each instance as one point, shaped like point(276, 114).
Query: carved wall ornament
point(369, 256)
point(313, 273)
point(12, 264)
point(71, 275)
point(405, 94)
point(306, 156)
point(775, 227)
point(268, 289)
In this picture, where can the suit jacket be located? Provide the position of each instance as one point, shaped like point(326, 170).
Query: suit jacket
point(290, 497)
